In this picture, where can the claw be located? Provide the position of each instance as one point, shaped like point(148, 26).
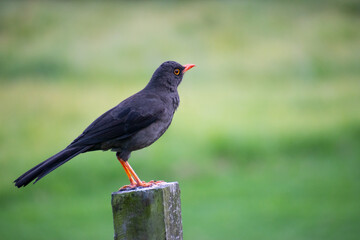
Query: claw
point(142, 184)
point(128, 187)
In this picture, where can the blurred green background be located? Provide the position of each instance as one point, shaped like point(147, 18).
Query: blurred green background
point(265, 143)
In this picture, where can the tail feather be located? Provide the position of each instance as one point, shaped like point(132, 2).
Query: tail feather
point(44, 168)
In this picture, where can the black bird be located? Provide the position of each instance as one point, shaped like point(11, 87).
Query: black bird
point(135, 123)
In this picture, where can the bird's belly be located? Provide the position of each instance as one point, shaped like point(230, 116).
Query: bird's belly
point(147, 136)
point(141, 139)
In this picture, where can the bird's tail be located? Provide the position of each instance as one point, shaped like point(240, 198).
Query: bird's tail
point(47, 166)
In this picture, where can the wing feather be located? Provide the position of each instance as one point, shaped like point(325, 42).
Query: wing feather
point(119, 123)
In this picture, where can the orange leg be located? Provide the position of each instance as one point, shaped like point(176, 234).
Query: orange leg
point(137, 179)
point(132, 182)
point(132, 175)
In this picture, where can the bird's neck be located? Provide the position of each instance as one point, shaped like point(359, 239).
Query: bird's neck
point(175, 100)
point(168, 95)
point(162, 84)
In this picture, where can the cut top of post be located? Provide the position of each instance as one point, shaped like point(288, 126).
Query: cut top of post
point(148, 213)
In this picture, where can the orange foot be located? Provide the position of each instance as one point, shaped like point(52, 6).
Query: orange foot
point(152, 182)
point(127, 187)
point(142, 184)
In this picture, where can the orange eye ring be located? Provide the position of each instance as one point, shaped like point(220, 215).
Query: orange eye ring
point(177, 71)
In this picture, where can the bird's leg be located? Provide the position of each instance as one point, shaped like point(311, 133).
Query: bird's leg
point(132, 182)
point(139, 183)
point(132, 175)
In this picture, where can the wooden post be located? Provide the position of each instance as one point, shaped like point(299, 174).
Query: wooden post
point(148, 213)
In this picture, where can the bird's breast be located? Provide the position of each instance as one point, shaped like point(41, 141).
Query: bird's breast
point(148, 135)
point(154, 131)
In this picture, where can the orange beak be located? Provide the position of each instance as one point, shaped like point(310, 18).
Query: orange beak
point(187, 67)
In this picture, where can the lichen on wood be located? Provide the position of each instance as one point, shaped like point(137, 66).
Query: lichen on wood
point(148, 213)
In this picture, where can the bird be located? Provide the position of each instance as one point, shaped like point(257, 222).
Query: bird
point(135, 123)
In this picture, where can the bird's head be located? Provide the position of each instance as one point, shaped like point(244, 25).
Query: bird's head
point(169, 75)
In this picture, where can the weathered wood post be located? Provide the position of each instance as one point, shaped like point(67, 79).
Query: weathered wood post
point(148, 213)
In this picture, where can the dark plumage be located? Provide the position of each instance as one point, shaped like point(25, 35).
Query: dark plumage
point(135, 123)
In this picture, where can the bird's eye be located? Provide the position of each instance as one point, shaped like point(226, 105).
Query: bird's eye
point(177, 71)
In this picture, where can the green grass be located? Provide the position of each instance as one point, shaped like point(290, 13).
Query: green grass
point(265, 144)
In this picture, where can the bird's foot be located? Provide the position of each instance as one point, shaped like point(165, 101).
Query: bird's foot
point(142, 184)
point(149, 184)
point(153, 182)
point(128, 187)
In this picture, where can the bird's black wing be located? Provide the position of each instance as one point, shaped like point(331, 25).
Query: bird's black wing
point(120, 122)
